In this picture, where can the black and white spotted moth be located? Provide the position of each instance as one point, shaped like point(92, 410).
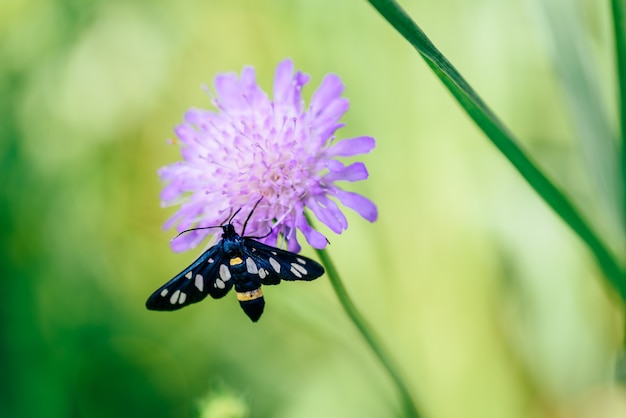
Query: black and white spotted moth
point(237, 261)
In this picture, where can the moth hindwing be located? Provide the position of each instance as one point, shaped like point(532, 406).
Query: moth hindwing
point(236, 261)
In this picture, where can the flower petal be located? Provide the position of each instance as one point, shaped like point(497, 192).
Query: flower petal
point(326, 132)
point(228, 91)
point(170, 192)
point(299, 81)
point(326, 120)
point(333, 112)
point(282, 80)
point(329, 90)
point(361, 205)
point(353, 172)
point(328, 213)
point(186, 133)
point(313, 237)
point(200, 117)
point(292, 242)
point(253, 93)
point(351, 146)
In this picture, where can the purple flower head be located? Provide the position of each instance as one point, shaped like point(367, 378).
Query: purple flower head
point(276, 150)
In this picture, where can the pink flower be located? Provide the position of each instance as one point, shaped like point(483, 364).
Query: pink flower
point(276, 150)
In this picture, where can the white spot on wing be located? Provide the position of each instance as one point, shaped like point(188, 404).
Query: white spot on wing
point(219, 283)
point(296, 273)
point(299, 268)
point(164, 292)
point(224, 273)
point(174, 297)
point(301, 260)
point(189, 275)
point(199, 282)
point(182, 298)
point(275, 264)
point(251, 266)
point(210, 261)
point(262, 273)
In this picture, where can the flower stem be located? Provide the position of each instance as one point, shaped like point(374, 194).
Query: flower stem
point(357, 319)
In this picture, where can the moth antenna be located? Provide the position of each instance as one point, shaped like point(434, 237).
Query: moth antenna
point(243, 231)
point(230, 220)
point(193, 229)
point(264, 236)
point(230, 212)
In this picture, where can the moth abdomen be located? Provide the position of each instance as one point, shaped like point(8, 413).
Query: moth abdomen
point(252, 302)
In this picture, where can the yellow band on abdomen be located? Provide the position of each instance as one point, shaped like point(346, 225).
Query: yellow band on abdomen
point(250, 295)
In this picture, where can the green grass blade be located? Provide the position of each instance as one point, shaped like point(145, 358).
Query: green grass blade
point(562, 26)
point(619, 27)
point(502, 139)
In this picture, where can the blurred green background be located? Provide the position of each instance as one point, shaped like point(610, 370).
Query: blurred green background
point(489, 304)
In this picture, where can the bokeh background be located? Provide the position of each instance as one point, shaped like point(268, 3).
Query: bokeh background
point(489, 304)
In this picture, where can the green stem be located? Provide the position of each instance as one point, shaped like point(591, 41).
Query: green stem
point(503, 140)
point(358, 320)
point(619, 29)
